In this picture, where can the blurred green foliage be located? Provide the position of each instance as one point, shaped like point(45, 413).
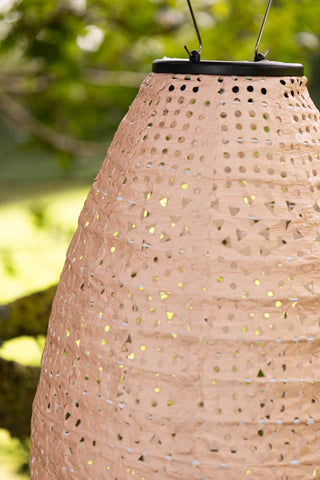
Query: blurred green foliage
point(70, 68)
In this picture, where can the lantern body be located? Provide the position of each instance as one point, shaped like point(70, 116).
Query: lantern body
point(184, 336)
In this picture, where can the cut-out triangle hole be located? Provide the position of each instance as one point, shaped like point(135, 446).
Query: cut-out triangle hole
point(241, 234)
point(175, 219)
point(185, 202)
point(309, 287)
point(215, 205)
point(286, 223)
point(290, 205)
point(234, 211)
point(147, 195)
point(246, 252)
point(265, 233)
point(281, 242)
point(165, 237)
point(270, 206)
point(316, 207)
point(218, 224)
point(297, 234)
point(226, 242)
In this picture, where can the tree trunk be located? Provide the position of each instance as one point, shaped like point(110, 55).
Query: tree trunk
point(17, 388)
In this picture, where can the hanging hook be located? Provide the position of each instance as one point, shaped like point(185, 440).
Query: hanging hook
point(257, 55)
point(194, 55)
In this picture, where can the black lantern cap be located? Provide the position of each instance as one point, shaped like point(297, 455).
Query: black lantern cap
point(243, 68)
point(260, 66)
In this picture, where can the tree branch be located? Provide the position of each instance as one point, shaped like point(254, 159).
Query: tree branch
point(23, 118)
point(26, 316)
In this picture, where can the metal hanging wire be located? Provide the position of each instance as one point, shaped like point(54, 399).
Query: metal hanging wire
point(257, 55)
point(194, 55)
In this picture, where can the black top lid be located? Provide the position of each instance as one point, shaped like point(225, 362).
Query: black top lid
point(216, 67)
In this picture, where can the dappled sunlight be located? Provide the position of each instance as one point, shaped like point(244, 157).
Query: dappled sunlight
point(12, 454)
point(25, 350)
point(92, 39)
point(34, 239)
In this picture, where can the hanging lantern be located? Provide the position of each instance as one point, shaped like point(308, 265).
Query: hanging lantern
point(184, 336)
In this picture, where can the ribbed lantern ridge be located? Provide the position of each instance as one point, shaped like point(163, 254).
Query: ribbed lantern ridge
point(184, 340)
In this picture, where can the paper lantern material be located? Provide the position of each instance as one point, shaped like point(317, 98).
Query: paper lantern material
point(184, 337)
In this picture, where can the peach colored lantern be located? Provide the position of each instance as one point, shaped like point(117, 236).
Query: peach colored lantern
point(184, 340)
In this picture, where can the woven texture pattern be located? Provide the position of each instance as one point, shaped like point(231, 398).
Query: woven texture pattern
point(184, 338)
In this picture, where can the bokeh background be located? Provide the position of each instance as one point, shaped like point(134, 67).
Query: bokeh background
point(68, 71)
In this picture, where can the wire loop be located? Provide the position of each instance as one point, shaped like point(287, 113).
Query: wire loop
point(194, 55)
point(257, 55)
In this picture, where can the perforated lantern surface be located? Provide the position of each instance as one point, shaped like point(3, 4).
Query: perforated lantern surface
point(184, 337)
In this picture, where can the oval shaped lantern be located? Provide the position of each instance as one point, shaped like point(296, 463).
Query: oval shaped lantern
point(184, 336)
